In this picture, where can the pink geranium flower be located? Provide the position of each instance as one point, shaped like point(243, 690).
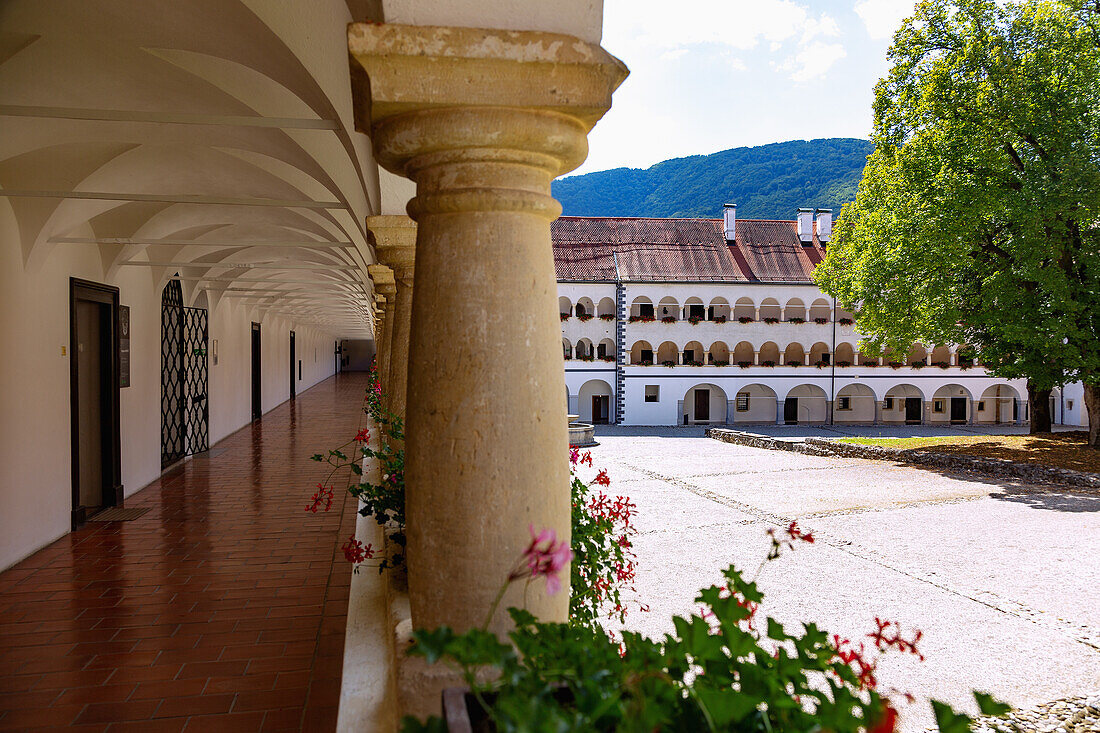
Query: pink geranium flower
point(545, 557)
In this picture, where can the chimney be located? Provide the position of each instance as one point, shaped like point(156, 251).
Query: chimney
point(806, 225)
point(729, 214)
point(824, 225)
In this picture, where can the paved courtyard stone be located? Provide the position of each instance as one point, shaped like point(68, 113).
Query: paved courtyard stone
point(1003, 578)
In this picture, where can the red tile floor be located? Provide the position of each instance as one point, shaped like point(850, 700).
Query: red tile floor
point(222, 608)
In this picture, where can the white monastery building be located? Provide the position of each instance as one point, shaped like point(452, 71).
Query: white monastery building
point(718, 321)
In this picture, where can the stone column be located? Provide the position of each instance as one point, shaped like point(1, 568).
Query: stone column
point(379, 333)
point(395, 245)
point(482, 121)
point(878, 412)
point(384, 285)
point(756, 358)
point(779, 412)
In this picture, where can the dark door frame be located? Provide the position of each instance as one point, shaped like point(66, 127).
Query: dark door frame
point(914, 406)
point(255, 348)
point(110, 421)
point(955, 402)
point(293, 369)
point(695, 407)
point(790, 411)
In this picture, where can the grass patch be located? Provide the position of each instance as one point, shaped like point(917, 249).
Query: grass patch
point(1061, 450)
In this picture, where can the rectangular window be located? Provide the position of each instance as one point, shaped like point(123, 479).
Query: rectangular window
point(1069, 404)
point(888, 403)
point(652, 393)
point(742, 401)
point(937, 405)
point(981, 405)
point(844, 403)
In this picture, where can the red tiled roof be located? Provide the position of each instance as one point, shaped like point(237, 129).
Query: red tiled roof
point(636, 249)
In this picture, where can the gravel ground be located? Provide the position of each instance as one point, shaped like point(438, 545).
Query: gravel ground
point(1002, 578)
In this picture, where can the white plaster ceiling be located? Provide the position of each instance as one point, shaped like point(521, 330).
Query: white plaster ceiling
point(175, 136)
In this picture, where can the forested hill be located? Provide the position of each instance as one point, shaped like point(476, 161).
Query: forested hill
point(766, 182)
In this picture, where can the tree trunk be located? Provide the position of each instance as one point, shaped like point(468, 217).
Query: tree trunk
point(1038, 408)
point(1092, 404)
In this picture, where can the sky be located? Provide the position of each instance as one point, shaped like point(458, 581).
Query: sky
point(709, 75)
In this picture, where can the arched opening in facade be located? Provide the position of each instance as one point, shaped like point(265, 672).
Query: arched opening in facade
point(951, 403)
point(754, 403)
point(606, 308)
point(795, 310)
point(641, 353)
point(819, 354)
point(641, 307)
point(718, 353)
point(744, 354)
point(565, 306)
point(770, 310)
point(769, 354)
point(845, 354)
point(584, 350)
point(719, 310)
point(821, 311)
point(584, 307)
point(941, 356)
point(669, 307)
point(998, 405)
point(918, 354)
point(566, 349)
point(694, 353)
point(668, 354)
point(868, 360)
point(804, 405)
point(605, 351)
point(794, 354)
point(694, 308)
point(855, 404)
point(903, 404)
point(594, 402)
point(704, 404)
point(745, 308)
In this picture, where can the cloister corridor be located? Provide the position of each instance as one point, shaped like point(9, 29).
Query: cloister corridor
point(221, 608)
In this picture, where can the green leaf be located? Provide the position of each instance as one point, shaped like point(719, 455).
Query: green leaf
point(988, 705)
point(949, 721)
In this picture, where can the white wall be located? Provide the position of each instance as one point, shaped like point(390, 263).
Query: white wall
point(35, 480)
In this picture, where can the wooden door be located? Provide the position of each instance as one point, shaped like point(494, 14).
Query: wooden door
point(913, 408)
point(958, 409)
point(257, 394)
point(790, 411)
point(702, 405)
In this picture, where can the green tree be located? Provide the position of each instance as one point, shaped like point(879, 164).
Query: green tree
point(976, 217)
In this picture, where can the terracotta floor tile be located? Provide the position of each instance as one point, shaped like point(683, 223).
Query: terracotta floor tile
point(224, 596)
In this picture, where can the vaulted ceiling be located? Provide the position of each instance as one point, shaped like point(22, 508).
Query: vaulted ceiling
point(209, 138)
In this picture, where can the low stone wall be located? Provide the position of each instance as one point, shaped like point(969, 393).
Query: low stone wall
point(989, 466)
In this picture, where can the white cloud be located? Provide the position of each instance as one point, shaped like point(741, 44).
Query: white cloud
point(883, 17)
point(813, 61)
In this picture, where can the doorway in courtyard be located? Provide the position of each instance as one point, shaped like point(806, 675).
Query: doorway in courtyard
point(958, 409)
point(702, 405)
point(601, 409)
point(94, 383)
point(790, 411)
point(185, 409)
point(913, 410)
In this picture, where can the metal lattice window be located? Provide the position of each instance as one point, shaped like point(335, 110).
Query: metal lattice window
point(184, 372)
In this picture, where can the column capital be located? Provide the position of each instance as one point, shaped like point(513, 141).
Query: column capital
point(481, 119)
point(394, 242)
point(384, 283)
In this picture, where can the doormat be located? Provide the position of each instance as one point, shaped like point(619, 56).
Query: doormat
point(118, 514)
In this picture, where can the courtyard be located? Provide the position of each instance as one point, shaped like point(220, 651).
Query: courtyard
point(1002, 578)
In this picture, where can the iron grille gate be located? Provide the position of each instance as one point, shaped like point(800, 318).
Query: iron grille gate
point(184, 406)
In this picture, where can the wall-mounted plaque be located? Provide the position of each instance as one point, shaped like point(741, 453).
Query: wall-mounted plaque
point(124, 346)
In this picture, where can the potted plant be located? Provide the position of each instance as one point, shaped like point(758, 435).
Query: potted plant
point(796, 320)
point(768, 363)
point(585, 317)
point(746, 319)
point(771, 320)
point(794, 363)
point(607, 317)
point(565, 316)
point(844, 363)
point(668, 363)
point(821, 321)
point(720, 319)
point(694, 320)
point(744, 364)
point(721, 363)
point(846, 322)
point(668, 319)
point(918, 364)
